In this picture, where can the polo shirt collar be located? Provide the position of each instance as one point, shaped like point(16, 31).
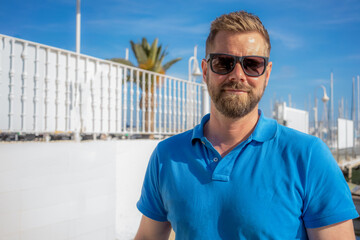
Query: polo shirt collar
point(198, 131)
point(265, 129)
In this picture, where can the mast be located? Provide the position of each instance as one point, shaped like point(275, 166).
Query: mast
point(358, 102)
point(353, 101)
point(332, 123)
point(78, 26)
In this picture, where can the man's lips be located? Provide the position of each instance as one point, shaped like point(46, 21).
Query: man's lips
point(235, 90)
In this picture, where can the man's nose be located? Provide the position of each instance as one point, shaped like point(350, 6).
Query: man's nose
point(237, 73)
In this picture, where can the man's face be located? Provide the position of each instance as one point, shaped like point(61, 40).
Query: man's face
point(236, 94)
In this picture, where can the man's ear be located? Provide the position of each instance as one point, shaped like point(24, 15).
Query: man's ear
point(204, 69)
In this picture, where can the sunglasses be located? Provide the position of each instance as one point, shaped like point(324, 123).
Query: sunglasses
point(221, 63)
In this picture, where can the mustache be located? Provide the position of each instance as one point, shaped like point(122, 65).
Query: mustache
point(235, 86)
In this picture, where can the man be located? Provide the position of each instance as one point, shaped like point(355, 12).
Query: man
point(239, 175)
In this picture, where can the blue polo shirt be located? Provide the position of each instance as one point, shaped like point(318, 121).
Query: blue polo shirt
point(273, 185)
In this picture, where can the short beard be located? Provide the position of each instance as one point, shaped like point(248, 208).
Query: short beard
point(234, 106)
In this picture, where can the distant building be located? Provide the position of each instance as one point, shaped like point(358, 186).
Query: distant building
point(291, 117)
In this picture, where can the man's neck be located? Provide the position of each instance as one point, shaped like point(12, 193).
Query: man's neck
point(226, 133)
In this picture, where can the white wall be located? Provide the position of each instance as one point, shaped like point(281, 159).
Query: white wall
point(297, 119)
point(132, 159)
point(345, 133)
point(72, 191)
point(292, 117)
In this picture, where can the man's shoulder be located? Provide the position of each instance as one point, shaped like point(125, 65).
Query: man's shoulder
point(294, 138)
point(177, 140)
point(286, 132)
point(271, 129)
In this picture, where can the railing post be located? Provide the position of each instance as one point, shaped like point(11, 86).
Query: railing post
point(84, 96)
point(205, 100)
point(154, 107)
point(109, 99)
point(92, 97)
point(166, 93)
point(101, 100)
point(137, 101)
point(196, 105)
point(125, 99)
point(94, 94)
point(57, 83)
point(67, 94)
point(149, 103)
point(24, 77)
point(77, 123)
point(131, 100)
point(117, 100)
point(120, 86)
point(171, 106)
point(11, 85)
point(183, 107)
point(143, 106)
point(177, 122)
point(36, 87)
point(160, 112)
point(46, 90)
point(199, 103)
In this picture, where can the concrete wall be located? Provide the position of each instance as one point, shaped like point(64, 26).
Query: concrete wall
point(132, 159)
point(72, 191)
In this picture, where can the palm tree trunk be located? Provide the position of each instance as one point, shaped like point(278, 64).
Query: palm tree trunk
point(149, 111)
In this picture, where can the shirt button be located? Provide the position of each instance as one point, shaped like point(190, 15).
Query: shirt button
point(215, 159)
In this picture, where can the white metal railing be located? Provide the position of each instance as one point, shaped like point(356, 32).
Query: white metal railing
point(50, 90)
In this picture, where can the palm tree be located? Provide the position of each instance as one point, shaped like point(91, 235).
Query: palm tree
point(149, 57)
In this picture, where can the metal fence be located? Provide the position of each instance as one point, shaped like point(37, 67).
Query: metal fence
point(50, 91)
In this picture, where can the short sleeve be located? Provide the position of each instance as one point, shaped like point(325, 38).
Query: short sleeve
point(327, 196)
point(150, 203)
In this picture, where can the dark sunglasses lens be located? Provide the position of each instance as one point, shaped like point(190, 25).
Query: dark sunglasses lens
point(222, 64)
point(254, 66)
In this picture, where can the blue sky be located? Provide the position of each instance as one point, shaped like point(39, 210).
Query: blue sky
point(310, 39)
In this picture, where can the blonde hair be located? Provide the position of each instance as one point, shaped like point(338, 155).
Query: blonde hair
point(237, 22)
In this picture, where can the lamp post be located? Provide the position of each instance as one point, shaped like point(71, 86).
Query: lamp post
point(194, 70)
point(78, 26)
point(324, 99)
